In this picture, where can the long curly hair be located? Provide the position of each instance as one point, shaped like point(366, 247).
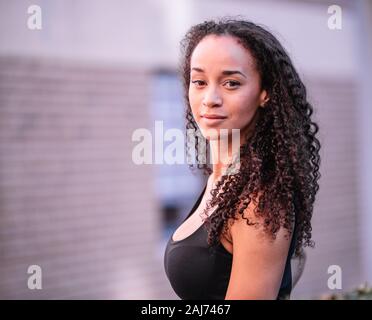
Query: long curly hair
point(279, 162)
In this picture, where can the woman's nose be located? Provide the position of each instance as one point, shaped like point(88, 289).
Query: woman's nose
point(212, 97)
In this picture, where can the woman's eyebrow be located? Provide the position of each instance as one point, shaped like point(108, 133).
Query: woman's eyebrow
point(225, 72)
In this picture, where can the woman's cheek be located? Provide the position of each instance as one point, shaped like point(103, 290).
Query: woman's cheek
point(195, 106)
point(194, 111)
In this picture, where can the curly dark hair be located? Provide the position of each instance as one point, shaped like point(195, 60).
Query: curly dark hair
point(279, 162)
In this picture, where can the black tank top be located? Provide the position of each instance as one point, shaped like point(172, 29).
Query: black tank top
point(198, 271)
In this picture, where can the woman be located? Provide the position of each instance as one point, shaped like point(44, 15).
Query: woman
point(239, 238)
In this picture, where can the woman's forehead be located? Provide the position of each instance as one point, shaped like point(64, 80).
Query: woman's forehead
point(223, 52)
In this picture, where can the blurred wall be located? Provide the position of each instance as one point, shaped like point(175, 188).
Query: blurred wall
point(363, 43)
point(71, 94)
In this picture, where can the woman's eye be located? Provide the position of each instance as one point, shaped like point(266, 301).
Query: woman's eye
point(232, 84)
point(198, 82)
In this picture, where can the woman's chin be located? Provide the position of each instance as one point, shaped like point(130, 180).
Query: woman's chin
point(211, 135)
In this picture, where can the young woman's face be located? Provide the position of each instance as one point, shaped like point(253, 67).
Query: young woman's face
point(224, 85)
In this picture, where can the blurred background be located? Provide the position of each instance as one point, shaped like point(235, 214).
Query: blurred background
point(72, 93)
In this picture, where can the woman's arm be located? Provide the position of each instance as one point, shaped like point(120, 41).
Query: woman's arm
point(258, 260)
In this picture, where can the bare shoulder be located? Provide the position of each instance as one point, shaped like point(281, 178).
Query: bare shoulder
point(249, 227)
point(258, 258)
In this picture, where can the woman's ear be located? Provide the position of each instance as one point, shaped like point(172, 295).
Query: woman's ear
point(264, 97)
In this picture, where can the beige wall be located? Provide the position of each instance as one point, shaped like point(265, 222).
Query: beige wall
point(72, 201)
point(147, 32)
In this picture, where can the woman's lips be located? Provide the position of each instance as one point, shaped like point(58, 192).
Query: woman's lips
point(213, 116)
point(212, 119)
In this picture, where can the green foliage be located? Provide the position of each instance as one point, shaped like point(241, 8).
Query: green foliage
point(363, 292)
